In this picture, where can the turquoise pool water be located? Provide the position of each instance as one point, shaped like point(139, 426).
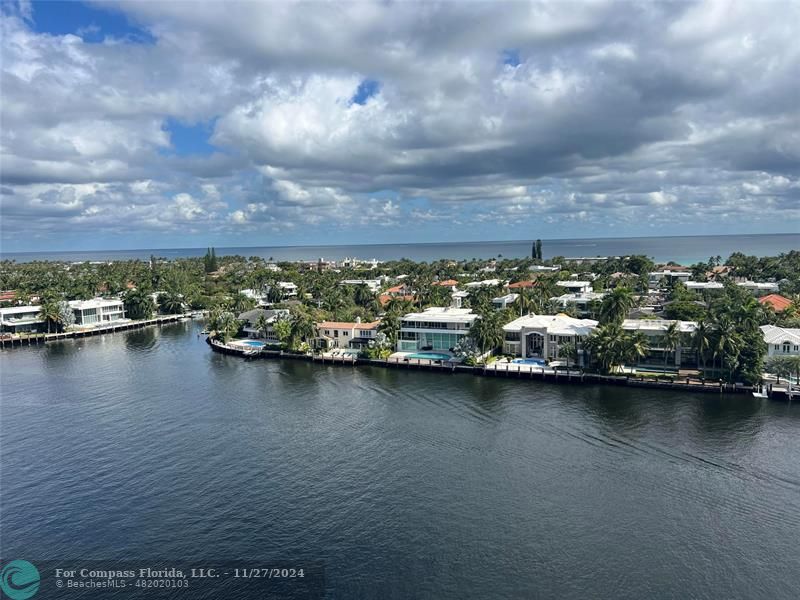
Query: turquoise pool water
point(430, 356)
point(529, 361)
point(254, 344)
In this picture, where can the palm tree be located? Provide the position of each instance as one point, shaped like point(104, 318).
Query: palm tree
point(362, 295)
point(262, 325)
point(170, 303)
point(302, 327)
point(487, 331)
point(670, 340)
point(701, 342)
point(50, 312)
point(616, 305)
point(635, 347)
point(390, 326)
point(242, 303)
point(138, 304)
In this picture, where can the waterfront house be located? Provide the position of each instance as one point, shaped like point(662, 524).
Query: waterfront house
point(781, 341)
point(97, 311)
point(337, 334)
point(271, 316)
point(19, 319)
point(653, 330)
point(436, 328)
point(776, 301)
point(541, 336)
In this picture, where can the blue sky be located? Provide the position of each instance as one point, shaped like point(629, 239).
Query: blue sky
point(144, 124)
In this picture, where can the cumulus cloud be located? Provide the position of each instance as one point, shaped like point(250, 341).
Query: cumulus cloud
point(610, 114)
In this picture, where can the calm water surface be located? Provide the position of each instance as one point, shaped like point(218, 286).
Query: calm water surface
point(683, 249)
point(146, 444)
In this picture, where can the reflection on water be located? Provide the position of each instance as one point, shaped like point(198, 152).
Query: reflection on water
point(407, 484)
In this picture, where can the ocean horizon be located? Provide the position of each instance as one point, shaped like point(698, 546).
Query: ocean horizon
point(681, 249)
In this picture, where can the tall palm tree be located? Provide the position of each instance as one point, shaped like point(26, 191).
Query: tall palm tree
point(701, 341)
point(670, 340)
point(51, 313)
point(262, 325)
point(616, 305)
point(635, 347)
point(390, 326)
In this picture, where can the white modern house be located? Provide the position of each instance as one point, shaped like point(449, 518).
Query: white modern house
point(483, 283)
point(653, 330)
point(703, 287)
point(502, 302)
point(575, 286)
point(17, 319)
point(781, 341)
point(336, 334)
point(435, 328)
point(541, 336)
point(458, 298)
point(759, 289)
point(373, 284)
point(581, 301)
point(97, 311)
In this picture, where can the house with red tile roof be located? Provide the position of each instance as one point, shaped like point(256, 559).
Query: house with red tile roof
point(776, 301)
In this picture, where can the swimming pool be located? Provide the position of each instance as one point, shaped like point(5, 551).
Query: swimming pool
point(253, 344)
point(529, 361)
point(430, 356)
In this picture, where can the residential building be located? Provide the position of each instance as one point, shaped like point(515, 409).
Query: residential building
point(373, 284)
point(19, 319)
point(484, 283)
point(502, 302)
point(667, 277)
point(336, 334)
point(702, 288)
point(781, 341)
point(776, 301)
point(448, 283)
point(541, 336)
point(97, 311)
point(544, 269)
point(575, 286)
point(653, 330)
point(580, 303)
point(458, 298)
point(521, 285)
point(435, 328)
point(759, 288)
point(271, 316)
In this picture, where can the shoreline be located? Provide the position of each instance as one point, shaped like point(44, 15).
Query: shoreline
point(545, 375)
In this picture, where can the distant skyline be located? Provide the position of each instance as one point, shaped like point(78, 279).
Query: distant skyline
point(175, 125)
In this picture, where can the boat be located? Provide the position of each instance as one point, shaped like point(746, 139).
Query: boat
point(760, 393)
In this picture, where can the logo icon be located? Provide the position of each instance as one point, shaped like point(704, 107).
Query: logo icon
point(19, 580)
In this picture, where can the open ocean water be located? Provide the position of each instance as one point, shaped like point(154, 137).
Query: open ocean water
point(145, 445)
point(684, 250)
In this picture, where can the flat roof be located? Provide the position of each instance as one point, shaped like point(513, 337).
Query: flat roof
point(554, 324)
point(657, 325)
point(16, 310)
point(443, 315)
point(94, 303)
